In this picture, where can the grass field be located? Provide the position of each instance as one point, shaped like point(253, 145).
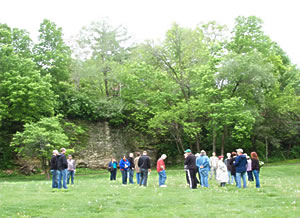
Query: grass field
point(93, 195)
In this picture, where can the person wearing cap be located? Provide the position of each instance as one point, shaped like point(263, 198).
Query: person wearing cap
point(71, 169)
point(191, 168)
point(161, 169)
point(222, 175)
point(213, 165)
point(53, 169)
point(145, 166)
point(241, 168)
point(202, 163)
point(62, 169)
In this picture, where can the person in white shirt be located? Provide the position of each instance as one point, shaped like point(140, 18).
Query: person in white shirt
point(213, 162)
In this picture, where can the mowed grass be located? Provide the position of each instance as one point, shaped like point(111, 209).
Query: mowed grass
point(93, 195)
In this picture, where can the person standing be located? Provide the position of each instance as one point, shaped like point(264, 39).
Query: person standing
point(255, 168)
point(131, 168)
point(213, 165)
point(137, 169)
point(112, 167)
point(241, 168)
point(232, 166)
point(161, 169)
point(249, 169)
point(229, 168)
point(124, 166)
point(71, 169)
point(145, 166)
point(53, 169)
point(202, 163)
point(222, 175)
point(191, 168)
point(62, 169)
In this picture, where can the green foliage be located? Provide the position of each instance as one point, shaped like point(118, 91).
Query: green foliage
point(39, 139)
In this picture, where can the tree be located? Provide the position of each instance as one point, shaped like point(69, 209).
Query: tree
point(52, 55)
point(39, 139)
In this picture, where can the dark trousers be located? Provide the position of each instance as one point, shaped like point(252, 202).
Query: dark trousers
point(124, 177)
point(250, 176)
point(144, 177)
point(192, 179)
point(113, 174)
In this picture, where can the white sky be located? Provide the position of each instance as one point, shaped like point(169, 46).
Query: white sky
point(150, 19)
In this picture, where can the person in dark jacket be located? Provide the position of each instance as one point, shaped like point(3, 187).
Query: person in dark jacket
point(229, 168)
point(255, 168)
point(231, 162)
point(62, 168)
point(53, 169)
point(124, 166)
point(145, 167)
point(191, 168)
point(241, 168)
point(131, 168)
point(112, 167)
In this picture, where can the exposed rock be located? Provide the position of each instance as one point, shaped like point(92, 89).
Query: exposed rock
point(105, 143)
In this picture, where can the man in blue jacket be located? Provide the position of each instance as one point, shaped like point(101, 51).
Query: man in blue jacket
point(241, 168)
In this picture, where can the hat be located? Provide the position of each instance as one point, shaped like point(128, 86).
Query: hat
point(202, 151)
point(239, 150)
point(187, 151)
point(220, 157)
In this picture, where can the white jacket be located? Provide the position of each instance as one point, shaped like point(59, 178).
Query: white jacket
point(222, 175)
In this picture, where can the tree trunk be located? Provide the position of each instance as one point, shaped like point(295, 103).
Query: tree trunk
point(106, 83)
point(198, 143)
point(266, 141)
point(45, 167)
point(223, 142)
point(214, 140)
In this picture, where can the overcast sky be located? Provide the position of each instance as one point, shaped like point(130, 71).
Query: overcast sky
point(151, 19)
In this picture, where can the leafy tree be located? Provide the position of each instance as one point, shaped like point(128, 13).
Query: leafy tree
point(39, 139)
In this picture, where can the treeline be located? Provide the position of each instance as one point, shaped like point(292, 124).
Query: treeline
point(203, 88)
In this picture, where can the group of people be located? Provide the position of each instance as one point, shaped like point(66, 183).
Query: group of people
point(141, 164)
point(235, 167)
point(62, 169)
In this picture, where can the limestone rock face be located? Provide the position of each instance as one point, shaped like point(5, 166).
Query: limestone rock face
point(105, 143)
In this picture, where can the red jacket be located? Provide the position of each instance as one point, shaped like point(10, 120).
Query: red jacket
point(159, 165)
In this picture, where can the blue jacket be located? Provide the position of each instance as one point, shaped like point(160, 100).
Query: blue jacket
point(122, 164)
point(241, 164)
point(113, 164)
point(203, 161)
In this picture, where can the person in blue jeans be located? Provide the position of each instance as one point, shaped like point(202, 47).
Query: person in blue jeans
point(161, 169)
point(62, 169)
point(71, 170)
point(124, 166)
point(136, 167)
point(255, 168)
point(241, 168)
point(112, 166)
point(202, 163)
point(53, 169)
point(131, 168)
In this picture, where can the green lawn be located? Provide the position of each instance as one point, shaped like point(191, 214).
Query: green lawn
point(93, 195)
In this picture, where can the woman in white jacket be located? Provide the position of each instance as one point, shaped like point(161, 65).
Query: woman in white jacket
point(222, 175)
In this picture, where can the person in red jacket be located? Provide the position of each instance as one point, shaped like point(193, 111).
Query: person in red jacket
point(161, 169)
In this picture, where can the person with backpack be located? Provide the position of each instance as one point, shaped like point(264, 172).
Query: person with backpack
point(112, 168)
